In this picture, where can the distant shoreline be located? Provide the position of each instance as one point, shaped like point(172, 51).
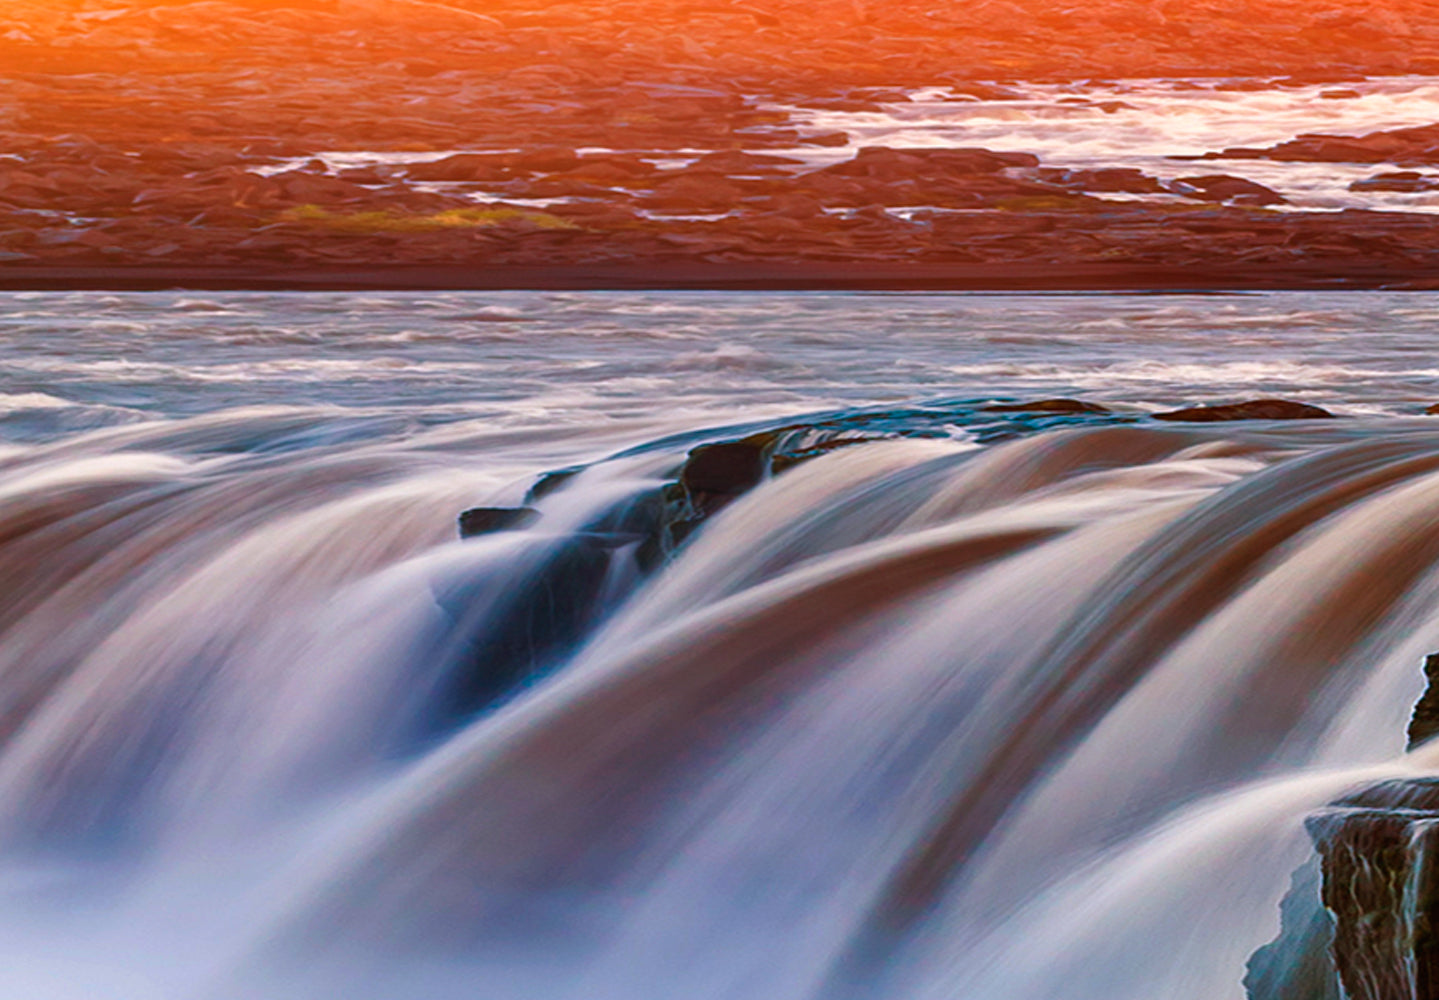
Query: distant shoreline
point(698, 276)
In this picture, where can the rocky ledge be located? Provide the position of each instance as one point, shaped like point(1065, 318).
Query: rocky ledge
point(1361, 921)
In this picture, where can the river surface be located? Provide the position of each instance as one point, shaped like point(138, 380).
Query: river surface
point(629, 364)
point(956, 703)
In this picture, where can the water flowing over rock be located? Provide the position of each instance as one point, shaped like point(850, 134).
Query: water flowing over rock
point(869, 731)
point(1360, 920)
point(1048, 406)
point(1379, 883)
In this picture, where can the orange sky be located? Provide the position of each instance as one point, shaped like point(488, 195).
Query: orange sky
point(863, 41)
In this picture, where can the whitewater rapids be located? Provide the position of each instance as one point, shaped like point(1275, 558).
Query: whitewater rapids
point(1027, 717)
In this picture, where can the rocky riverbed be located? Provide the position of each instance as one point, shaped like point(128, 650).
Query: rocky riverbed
point(631, 144)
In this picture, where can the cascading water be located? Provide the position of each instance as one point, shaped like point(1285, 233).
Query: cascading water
point(961, 708)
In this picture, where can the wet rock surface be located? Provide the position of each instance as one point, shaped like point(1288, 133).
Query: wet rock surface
point(716, 471)
point(1222, 187)
point(1048, 406)
point(1383, 895)
point(1254, 409)
point(1408, 181)
point(1361, 921)
point(1404, 147)
point(512, 630)
point(638, 143)
point(485, 520)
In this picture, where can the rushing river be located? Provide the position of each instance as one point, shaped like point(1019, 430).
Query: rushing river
point(988, 706)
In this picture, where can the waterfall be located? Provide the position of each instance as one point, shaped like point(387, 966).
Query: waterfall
point(913, 719)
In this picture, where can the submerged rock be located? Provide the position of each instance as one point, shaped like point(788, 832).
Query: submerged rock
point(1419, 145)
point(1404, 181)
point(1222, 187)
point(484, 520)
point(1253, 409)
point(1126, 180)
point(1048, 406)
point(510, 631)
point(551, 482)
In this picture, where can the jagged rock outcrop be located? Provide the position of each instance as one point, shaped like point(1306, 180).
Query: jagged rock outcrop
point(1424, 723)
point(1383, 893)
point(1361, 920)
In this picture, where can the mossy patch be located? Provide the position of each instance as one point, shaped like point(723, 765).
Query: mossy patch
point(389, 221)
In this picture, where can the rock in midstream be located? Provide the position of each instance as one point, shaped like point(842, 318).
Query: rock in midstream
point(1253, 409)
point(1360, 918)
point(1380, 888)
point(484, 520)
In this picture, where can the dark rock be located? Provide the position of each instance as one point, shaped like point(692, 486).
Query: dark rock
point(1047, 406)
point(695, 194)
point(1408, 181)
point(484, 520)
point(734, 161)
point(509, 630)
point(826, 139)
point(1254, 409)
point(1424, 723)
point(714, 474)
point(1127, 180)
point(551, 482)
point(472, 167)
point(1383, 895)
point(1222, 187)
point(987, 92)
point(1405, 145)
point(886, 164)
point(1375, 925)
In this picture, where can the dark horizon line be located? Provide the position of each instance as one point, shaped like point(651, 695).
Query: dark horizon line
point(700, 276)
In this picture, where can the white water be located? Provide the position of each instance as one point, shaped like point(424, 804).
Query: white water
point(921, 718)
point(1146, 124)
point(1157, 126)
